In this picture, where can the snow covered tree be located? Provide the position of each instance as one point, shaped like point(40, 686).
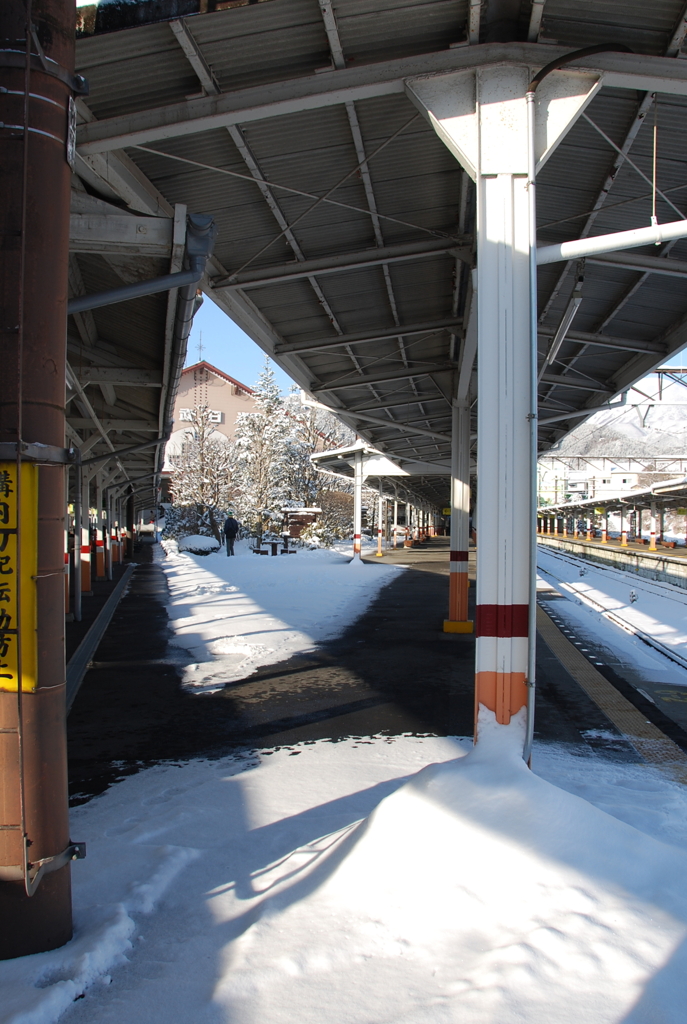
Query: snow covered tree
point(337, 513)
point(201, 482)
point(311, 430)
point(261, 454)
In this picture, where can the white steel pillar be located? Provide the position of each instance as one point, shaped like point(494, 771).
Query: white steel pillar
point(457, 621)
point(623, 528)
point(358, 505)
point(395, 525)
point(652, 534)
point(380, 517)
point(484, 117)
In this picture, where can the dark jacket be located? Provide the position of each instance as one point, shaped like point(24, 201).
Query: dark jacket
point(231, 527)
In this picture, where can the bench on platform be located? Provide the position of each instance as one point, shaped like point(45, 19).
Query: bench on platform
point(272, 548)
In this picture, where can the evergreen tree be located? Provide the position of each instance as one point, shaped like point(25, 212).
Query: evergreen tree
point(311, 430)
point(261, 453)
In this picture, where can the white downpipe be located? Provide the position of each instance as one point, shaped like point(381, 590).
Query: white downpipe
point(534, 434)
point(610, 243)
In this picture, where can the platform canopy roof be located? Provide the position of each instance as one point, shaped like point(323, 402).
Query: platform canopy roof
point(346, 227)
point(668, 494)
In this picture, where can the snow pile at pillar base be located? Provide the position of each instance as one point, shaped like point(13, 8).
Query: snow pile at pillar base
point(477, 893)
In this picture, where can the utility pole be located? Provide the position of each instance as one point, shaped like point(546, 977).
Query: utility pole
point(37, 97)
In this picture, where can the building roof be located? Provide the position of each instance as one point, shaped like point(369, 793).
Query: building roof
point(203, 365)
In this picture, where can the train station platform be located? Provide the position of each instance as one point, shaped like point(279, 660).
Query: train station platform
point(393, 671)
point(667, 564)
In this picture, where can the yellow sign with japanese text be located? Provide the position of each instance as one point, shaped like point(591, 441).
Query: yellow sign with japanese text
point(18, 569)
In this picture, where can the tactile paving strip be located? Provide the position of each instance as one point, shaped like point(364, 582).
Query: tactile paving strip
point(650, 743)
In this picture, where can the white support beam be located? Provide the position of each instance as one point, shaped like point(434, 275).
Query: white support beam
point(386, 333)
point(642, 264)
point(605, 341)
point(536, 14)
point(396, 403)
point(579, 383)
point(380, 421)
point(143, 236)
point(349, 85)
point(342, 263)
point(474, 19)
point(419, 370)
point(330, 27)
point(116, 176)
point(678, 38)
point(188, 44)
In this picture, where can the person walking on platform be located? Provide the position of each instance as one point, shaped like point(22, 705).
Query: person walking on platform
point(231, 530)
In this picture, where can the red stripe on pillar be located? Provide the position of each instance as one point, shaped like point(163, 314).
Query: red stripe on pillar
point(458, 556)
point(502, 620)
point(85, 549)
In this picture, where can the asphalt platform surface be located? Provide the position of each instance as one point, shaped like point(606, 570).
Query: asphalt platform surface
point(393, 671)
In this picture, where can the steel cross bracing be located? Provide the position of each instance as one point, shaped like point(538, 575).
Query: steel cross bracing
point(339, 62)
point(211, 87)
point(622, 156)
point(354, 87)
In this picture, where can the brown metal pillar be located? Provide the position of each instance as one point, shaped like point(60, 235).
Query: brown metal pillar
point(34, 241)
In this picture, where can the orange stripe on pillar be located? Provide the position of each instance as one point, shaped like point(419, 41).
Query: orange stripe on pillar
point(504, 693)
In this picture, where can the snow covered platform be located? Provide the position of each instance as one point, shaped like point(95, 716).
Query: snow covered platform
point(331, 881)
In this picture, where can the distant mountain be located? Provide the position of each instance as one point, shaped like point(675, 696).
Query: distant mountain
point(646, 430)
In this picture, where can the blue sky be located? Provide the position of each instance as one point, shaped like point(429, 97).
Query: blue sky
point(227, 347)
